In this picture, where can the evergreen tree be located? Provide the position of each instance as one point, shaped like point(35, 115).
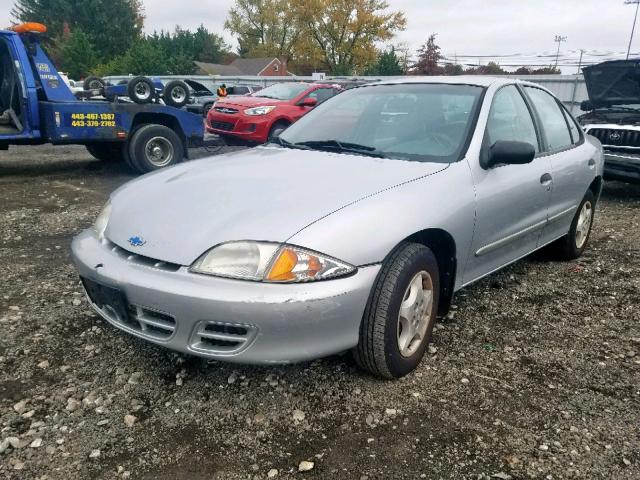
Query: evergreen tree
point(111, 25)
point(78, 56)
point(428, 57)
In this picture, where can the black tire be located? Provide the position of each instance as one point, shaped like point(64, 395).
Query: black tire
point(378, 349)
point(572, 246)
point(107, 151)
point(176, 94)
point(93, 83)
point(276, 130)
point(146, 140)
point(205, 109)
point(141, 90)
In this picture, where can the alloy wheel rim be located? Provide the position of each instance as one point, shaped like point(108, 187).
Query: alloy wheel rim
point(178, 94)
point(159, 151)
point(415, 314)
point(143, 91)
point(584, 224)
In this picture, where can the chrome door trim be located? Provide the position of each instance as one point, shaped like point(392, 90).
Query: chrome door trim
point(510, 238)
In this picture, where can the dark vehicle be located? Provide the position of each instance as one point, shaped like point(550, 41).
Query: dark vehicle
point(613, 116)
point(37, 107)
point(202, 98)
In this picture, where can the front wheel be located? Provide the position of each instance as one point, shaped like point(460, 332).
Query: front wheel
point(155, 146)
point(573, 245)
point(402, 309)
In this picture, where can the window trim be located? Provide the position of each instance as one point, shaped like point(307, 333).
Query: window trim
point(548, 152)
point(486, 140)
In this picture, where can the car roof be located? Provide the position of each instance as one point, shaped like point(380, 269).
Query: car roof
point(479, 80)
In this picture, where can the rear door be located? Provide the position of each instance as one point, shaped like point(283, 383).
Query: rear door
point(511, 200)
point(572, 169)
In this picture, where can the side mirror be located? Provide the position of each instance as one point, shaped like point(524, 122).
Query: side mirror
point(308, 102)
point(505, 152)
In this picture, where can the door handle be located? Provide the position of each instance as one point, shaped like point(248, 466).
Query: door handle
point(546, 179)
point(592, 163)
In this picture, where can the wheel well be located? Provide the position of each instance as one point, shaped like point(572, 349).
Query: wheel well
point(161, 119)
point(444, 248)
point(596, 187)
point(281, 122)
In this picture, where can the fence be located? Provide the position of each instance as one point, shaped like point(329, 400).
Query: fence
point(570, 89)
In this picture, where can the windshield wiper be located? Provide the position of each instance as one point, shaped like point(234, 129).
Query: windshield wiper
point(284, 143)
point(614, 108)
point(345, 147)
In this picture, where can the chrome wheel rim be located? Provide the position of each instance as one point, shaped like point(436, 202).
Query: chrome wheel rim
point(178, 94)
point(583, 227)
point(415, 314)
point(143, 91)
point(159, 151)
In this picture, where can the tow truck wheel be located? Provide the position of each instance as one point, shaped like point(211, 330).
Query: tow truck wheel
point(141, 90)
point(155, 146)
point(107, 152)
point(176, 94)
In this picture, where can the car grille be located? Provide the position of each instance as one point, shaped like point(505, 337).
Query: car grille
point(229, 111)
point(226, 126)
point(142, 260)
point(112, 304)
point(613, 137)
point(220, 337)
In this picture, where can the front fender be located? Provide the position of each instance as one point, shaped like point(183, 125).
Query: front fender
point(363, 233)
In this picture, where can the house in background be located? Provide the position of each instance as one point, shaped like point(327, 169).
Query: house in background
point(261, 67)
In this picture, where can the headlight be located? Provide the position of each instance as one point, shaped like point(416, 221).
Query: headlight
point(100, 225)
point(259, 110)
point(269, 262)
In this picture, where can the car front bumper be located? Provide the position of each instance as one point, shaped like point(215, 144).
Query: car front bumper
point(231, 320)
point(248, 128)
point(622, 166)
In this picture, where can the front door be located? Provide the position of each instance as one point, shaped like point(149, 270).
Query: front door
point(511, 200)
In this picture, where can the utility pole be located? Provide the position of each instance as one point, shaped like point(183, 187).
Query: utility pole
point(580, 61)
point(635, 18)
point(559, 39)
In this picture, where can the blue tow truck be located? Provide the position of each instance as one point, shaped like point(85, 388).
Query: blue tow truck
point(147, 129)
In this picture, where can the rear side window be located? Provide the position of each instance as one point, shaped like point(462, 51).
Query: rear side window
point(510, 118)
point(573, 127)
point(552, 119)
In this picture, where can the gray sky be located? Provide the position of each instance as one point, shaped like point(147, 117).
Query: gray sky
point(464, 27)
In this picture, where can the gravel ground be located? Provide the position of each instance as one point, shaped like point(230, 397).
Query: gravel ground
point(534, 374)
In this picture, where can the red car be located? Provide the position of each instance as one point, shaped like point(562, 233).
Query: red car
point(263, 115)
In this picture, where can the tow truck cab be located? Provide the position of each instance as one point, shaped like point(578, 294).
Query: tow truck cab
point(37, 107)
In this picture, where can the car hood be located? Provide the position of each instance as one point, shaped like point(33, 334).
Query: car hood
point(247, 101)
point(613, 83)
point(268, 193)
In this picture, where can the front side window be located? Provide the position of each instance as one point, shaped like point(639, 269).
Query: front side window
point(552, 119)
point(418, 122)
point(282, 91)
point(510, 119)
point(322, 94)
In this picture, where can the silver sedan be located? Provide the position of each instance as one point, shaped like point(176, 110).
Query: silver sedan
point(352, 231)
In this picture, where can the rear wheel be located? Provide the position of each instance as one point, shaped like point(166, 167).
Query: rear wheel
point(573, 245)
point(399, 318)
point(93, 83)
point(141, 90)
point(107, 151)
point(155, 146)
point(206, 108)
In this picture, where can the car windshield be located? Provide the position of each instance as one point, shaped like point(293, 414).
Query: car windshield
point(417, 122)
point(282, 91)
